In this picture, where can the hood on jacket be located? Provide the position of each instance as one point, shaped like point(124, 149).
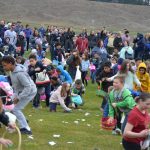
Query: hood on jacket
point(60, 68)
point(19, 68)
point(142, 65)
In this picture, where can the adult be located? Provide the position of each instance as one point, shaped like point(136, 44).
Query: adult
point(73, 61)
point(24, 88)
point(92, 40)
point(126, 52)
point(28, 34)
point(12, 35)
point(118, 43)
point(100, 50)
point(81, 44)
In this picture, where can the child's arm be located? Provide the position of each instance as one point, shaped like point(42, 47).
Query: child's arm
point(61, 101)
point(128, 132)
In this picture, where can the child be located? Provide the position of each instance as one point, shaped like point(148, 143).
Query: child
point(85, 63)
point(63, 75)
point(77, 89)
point(101, 79)
point(35, 67)
point(55, 83)
point(96, 62)
point(59, 96)
point(6, 93)
point(136, 130)
point(8, 49)
point(21, 44)
point(144, 78)
point(120, 101)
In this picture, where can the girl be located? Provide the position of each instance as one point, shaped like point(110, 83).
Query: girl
point(59, 96)
point(128, 73)
point(144, 78)
point(120, 101)
point(136, 129)
point(85, 63)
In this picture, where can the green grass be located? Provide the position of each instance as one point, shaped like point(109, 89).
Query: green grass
point(82, 136)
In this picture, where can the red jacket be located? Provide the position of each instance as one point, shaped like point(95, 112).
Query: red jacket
point(81, 44)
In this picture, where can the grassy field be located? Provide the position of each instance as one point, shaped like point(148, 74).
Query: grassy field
point(86, 135)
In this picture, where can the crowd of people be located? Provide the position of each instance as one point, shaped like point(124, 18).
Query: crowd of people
point(115, 62)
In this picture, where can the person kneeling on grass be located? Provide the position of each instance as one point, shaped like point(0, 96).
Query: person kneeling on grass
point(77, 89)
point(59, 96)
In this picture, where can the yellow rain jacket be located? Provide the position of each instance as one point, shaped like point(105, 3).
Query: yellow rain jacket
point(144, 79)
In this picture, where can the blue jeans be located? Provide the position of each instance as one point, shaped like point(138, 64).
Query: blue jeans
point(93, 76)
point(106, 110)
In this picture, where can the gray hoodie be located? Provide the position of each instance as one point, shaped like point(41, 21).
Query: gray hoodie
point(22, 84)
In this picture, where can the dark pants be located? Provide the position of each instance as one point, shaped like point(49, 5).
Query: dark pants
point(36, 100)
point(118, 117)
point(130, 145)
point(47, 93)
point(68, 45)
point(83, 75)
point(28, 40)
point(53, 106)
point(67, 101)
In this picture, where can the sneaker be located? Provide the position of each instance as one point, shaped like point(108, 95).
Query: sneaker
point(118, 131)
point(114, 132)
point(25, 131)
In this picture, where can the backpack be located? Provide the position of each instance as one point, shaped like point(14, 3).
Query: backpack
point(128, 56)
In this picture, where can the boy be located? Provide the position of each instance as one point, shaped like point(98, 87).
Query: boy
point(25, 90)
point(77, 89)
point(35, 67)
point(101, 80)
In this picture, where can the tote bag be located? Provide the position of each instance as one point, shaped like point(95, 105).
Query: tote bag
point(42, 78)
point(77, 100)
point(78, 74)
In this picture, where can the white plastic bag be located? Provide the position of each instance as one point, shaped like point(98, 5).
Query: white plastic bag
point(145, 144)
point(78, 74)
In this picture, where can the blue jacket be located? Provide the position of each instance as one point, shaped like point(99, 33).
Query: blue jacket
point(64, 76)
point(28, 32)
point(3, 78)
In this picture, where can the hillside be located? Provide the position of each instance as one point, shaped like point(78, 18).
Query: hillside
point(77, 13)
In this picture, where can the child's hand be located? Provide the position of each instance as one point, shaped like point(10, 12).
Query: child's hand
point(74, 94)
point(38, 69)
point(114, 105)
point(103, 79)
point(68, 110)
point(144, 133)
point(6, 142)
point(107, 79)
point(110, 120)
